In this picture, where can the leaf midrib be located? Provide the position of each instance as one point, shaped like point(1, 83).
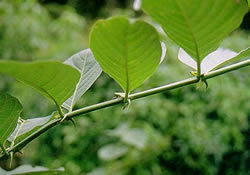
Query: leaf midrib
point(74, 95)
point(126, 60)
point(192, 34)
point(16, 135)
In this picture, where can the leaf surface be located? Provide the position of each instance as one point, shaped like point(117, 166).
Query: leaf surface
point(90, 70)
point(198, 26)
point(128, 52)
point(214, 60)
point(241, 55)
point(54, 80)
point(29, 170)
point(10, 109)
point(25, 127)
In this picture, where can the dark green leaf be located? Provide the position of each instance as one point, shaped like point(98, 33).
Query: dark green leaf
point(54, 80)
point(10, 109)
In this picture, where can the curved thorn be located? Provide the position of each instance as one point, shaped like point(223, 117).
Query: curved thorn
point(73, 122)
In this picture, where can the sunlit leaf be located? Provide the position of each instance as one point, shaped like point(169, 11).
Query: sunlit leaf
point(90, 70)
point(10, 109)
point(128, 51)
point(197, 26)
point(54, 80)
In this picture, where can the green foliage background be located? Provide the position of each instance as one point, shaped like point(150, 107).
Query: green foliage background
point(185, 131)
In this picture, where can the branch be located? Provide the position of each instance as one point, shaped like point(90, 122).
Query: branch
point(119, 100)
point(159, 89)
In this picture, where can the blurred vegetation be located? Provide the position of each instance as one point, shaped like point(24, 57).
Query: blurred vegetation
point(185, 131)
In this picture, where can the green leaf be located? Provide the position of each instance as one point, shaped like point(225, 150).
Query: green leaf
point(10, 109)
point(29, 170)
point(54, 80)
point(248, 3)
point(85, 63)
point(128, 51)
point(197, 26)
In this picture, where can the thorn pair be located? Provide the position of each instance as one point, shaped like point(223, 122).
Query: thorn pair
point(126, 101)
point(71, 119)
point(201, 80)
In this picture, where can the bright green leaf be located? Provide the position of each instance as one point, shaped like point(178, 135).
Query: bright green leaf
point(248, 3)
point(129, 52)
point(54, 80)
point(85, 63)
point(197, 26)
point(10, 109)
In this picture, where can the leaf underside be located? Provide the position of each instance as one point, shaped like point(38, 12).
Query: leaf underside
point(54, 80)
point(128, 52)
point(27, 127)
point(242, 55)
point(198, 26)
point(214, 60)
point(10, 109)
point(30, 170)
point(90, 70)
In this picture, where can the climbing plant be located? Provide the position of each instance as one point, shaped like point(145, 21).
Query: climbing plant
point(129, 51)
